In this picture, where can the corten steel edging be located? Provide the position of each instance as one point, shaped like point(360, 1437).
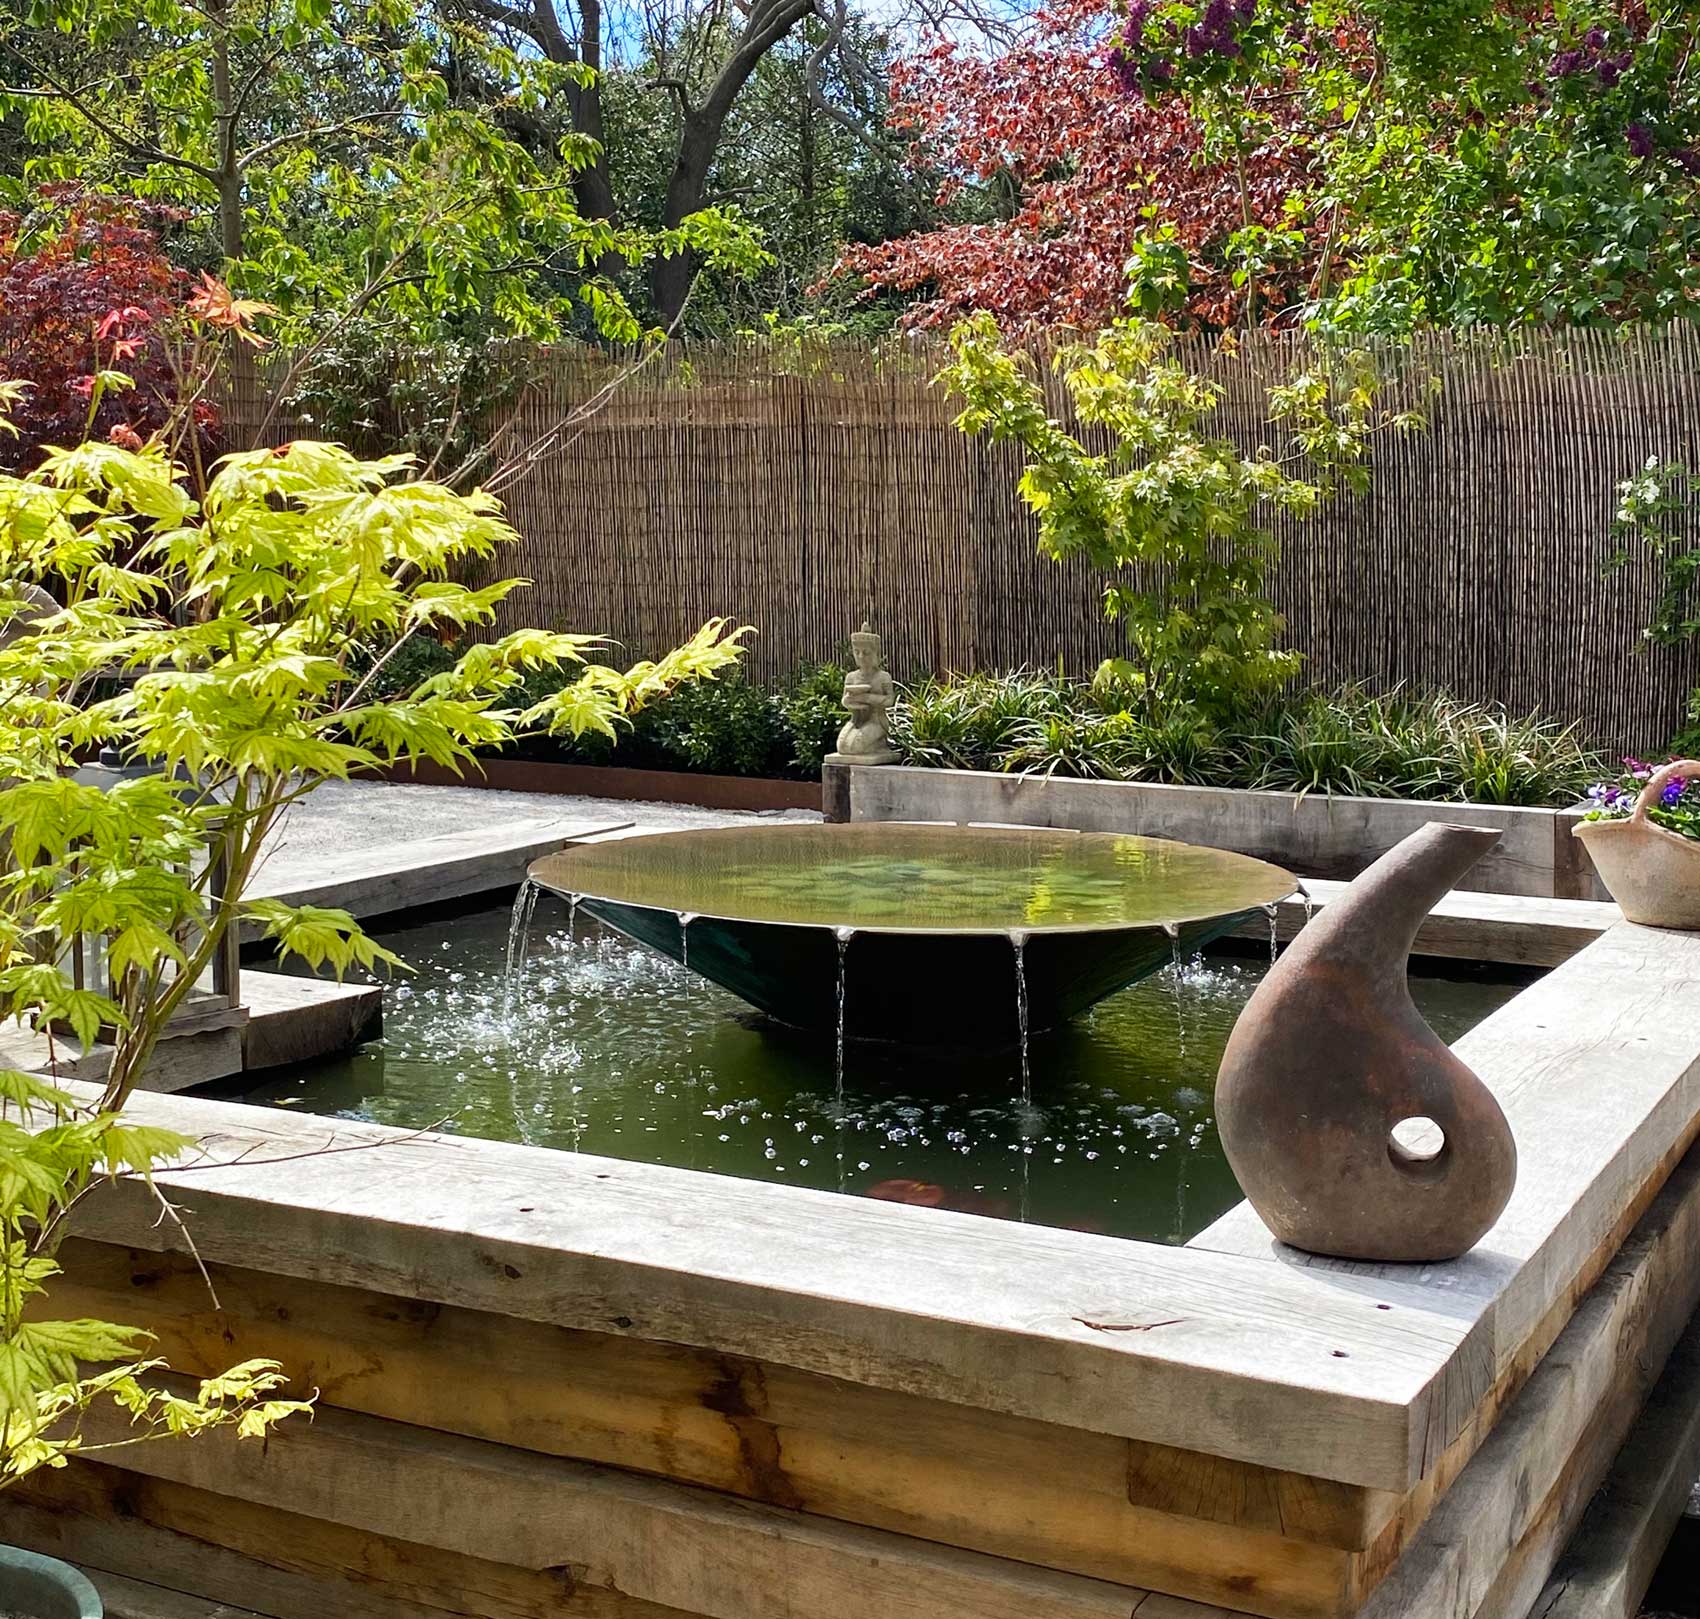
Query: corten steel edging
point(611, 781)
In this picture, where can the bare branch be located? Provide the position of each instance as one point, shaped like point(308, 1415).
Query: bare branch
point(814, 86)
point(313, 132)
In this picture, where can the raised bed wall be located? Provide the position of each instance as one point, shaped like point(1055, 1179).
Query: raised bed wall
point(1313, 835)
point(552, 1384)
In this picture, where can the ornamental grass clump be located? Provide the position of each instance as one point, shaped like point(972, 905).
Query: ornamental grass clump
point(1349, 740)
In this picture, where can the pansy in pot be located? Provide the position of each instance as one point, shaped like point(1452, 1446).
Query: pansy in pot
point(1643, 834)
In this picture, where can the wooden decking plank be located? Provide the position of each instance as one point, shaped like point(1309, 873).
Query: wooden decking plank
point(293, 1019)
point(1598, 1069)
point(219, 1549)
point(424, 871)
point(1512, 929)
point(1365, 1375)
point(1055, 1497)
point(1514, 1503)
point(134, 1599)
point(1608, 1565)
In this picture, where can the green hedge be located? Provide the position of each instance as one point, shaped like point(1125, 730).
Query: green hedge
point(1397, 744)
point(722, 727)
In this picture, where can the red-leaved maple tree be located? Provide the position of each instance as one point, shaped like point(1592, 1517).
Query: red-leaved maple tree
point(1095, 167)
point(90, 291)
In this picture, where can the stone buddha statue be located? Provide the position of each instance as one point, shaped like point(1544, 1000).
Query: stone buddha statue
point(869, 692)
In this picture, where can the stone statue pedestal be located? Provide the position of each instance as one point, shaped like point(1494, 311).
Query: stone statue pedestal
point(884, 756)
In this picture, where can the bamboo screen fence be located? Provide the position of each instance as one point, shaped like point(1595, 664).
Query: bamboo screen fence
point(804, 489)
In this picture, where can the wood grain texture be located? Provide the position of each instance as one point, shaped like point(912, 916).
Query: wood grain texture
point(222, 1549)
point(1364, 1375)
point(1486, 1548)
point(662, 1543)
point(293, 1019)
point(1057, 1497)
point(1209, 1352)
point(1610, 1561)
point(1620, 1021)
point(1509, 929)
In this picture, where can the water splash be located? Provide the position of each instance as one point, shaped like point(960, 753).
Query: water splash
point(1177, 979)
point(1019, 940)
point(1273, 912)
point(519, 941)
point(843, 937)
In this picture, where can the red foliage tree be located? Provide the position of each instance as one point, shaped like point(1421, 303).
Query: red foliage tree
point(1095, 167)
point(91, 290)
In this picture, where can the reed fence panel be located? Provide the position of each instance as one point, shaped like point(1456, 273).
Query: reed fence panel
point(803, 489)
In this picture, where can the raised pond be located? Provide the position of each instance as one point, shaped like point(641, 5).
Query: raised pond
point(607, 1048)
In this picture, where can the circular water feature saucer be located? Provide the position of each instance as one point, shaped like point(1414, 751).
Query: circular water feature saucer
point(924, 921)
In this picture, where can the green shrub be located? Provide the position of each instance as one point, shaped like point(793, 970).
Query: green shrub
point(720, 728)
point(811, 713)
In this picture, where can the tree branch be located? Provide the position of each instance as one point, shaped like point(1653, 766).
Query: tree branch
point(312, 132)
point(137, 148)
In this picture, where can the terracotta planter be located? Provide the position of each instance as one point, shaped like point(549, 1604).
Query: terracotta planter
point(1654, 874)
point(36, 1587)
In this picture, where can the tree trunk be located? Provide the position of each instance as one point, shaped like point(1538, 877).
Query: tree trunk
point(670, 278)
point(229, 179)
point(592, 187)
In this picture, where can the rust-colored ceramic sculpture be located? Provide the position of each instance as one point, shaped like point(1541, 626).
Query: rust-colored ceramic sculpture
point(1331, 1067)
point(1652, 872)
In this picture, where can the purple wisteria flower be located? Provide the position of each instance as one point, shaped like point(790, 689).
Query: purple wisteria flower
point(1640, 140)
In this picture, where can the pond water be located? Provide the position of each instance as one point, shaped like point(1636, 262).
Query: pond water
point(608, 1048)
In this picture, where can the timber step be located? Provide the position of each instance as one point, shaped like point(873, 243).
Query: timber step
point(125, 1598)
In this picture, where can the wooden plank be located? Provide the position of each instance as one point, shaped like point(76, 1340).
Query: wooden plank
point(1314, 835)
point(179, 1062)
point(295, 1019)
point(132, 1599)
point(1606, 1569)
point(1041, 1494)
point(1503, 1521)
point(426, 871)
point(221, 1549)
point(1622, 1020)
point(1511, 929)
point(663, 1543)
point(1364, 1375)
point(1219, 1353)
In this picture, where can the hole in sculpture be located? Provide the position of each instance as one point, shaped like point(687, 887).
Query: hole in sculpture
point(1417, 1143)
